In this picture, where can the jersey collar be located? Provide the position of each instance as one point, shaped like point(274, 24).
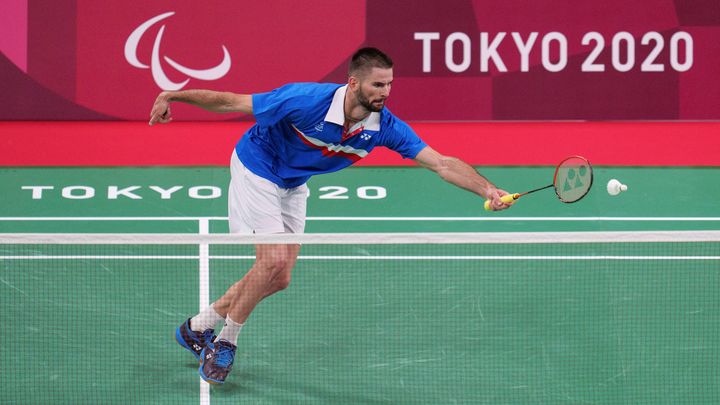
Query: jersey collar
point(336, 113)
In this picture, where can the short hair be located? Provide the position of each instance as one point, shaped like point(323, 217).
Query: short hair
point(368, 58)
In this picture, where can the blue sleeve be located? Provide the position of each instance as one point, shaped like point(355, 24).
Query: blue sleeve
point(271, 107)
point(401, 138)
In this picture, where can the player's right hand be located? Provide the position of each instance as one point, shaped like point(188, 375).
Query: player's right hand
point(496, 204)
point(161, 110)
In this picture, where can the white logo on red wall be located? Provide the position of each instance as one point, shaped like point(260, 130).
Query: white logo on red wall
point(161, 79)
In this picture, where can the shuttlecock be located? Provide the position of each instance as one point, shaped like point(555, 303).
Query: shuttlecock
point(614, 187)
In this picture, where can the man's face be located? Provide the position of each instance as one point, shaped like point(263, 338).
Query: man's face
point(374, 88)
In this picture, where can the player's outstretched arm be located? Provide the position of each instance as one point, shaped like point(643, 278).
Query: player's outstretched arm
point(215, 101)
point(461, 174)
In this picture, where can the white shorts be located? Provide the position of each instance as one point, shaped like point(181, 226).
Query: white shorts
point(257, 205)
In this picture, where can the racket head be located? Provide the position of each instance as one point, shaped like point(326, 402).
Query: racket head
point(573, 179)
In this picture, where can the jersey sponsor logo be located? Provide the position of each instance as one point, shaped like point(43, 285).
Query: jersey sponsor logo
point(156, 68)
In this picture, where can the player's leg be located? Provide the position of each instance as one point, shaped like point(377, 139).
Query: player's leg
point(261, 207)
point(270, 273)
point(274, 263)
point(253, 206)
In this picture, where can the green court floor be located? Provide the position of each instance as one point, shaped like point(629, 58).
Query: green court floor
point(359, 200)
point(636, 328)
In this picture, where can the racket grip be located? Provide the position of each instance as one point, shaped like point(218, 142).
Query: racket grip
point(507, 198)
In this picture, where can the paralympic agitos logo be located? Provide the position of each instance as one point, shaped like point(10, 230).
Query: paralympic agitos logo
point(156, 66)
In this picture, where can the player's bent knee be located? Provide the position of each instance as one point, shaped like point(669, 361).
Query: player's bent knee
point(282, 281)
point(276, 262)
point(274, 265)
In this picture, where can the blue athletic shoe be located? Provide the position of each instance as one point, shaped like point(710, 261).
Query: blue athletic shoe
point(193, 341)
point(216, 361)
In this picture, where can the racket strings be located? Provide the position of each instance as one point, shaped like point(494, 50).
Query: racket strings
point(573, 179)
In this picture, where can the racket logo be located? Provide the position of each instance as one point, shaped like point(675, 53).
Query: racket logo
point(574, 178)
point(161, 79)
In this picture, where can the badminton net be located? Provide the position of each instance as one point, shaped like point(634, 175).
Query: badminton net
point(601, 318)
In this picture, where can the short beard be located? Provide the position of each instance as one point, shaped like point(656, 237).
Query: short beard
point(367, 104)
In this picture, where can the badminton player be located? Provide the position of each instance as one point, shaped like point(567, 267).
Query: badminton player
point(301, 129)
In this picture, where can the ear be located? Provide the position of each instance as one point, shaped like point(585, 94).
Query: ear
point(353, 83)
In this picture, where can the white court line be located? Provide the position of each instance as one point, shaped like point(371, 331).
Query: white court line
point(204, 287)
point(251, 257)
point(99, 257)
point(500, 219)
point(110, 218)
point(204, 267)
point(381, 219)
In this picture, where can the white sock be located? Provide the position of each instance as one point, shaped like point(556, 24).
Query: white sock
point(230, 331)
point(206, 319)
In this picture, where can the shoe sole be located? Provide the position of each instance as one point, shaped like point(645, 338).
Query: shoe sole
point(206, 378)
point(211, 382)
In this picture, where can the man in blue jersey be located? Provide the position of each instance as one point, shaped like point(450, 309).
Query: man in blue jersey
point(302, 129)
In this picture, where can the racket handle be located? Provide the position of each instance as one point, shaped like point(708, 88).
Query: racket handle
point(507, 199)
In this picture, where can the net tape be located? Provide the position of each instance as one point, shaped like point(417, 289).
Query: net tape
point(360, 238)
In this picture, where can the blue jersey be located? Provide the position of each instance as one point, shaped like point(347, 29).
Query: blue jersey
point(299, 133)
